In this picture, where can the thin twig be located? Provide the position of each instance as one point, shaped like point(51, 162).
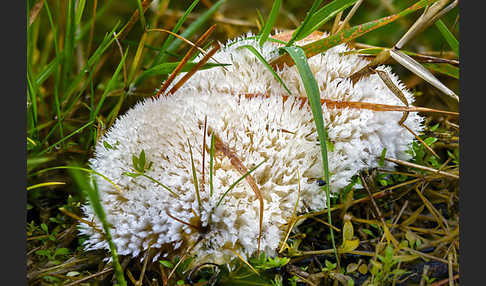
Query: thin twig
point(413, 165)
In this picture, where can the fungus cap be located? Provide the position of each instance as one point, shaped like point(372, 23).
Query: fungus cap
point(273, 129)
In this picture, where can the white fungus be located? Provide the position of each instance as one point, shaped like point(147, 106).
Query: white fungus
point(277, 130)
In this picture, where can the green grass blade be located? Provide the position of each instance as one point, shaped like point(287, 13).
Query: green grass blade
point(79, 11)
point(350, 34)
point(323, 15)
point(87, 24)
point(74, 168)
point(92, 61)
point(167, 68)
point(32, 94)
point(444, 68)
point(109, 86)
point(68, 43)
point(267, 28)
point(68, 136)
point(141, 14)
point(237, 181)
point(194, 176)
point(170, 38)
point(313, 93)
point(49, 69)
point(57, 81)
point(267, 65)
point(211, 165)
point(448, 36)
point(94, 198)
point(298, 32)
point(191, 30)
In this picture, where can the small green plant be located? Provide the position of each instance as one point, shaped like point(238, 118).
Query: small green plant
point(264, 263)
point(140, 167)
point(52, 255)
point(384, 269)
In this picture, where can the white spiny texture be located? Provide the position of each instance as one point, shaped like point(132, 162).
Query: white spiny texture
point(282, 132)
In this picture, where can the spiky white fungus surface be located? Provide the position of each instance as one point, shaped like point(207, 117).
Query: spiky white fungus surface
point(256, 129)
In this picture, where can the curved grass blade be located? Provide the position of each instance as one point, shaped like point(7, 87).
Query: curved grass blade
point(267, 28)
point(44, 185)
point(94, 198)
point(448, 36)
point(347, 35)
point(267, 65)
point(81, 169)
point(313, 93)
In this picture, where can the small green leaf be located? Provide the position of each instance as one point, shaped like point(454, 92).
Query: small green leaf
point(430, 140)
point(44, 228)
point(166, 263)
point(61, 251)
point(433, 128)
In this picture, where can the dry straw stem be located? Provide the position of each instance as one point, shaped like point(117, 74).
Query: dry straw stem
point(413, 165)
point(194, 69)
point(220, 146)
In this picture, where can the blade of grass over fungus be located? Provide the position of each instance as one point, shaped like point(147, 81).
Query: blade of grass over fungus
point(191, 30)
point(267, 28)
point(350, 34)
point(300, 30)
point(167, 68)
point(448, 36)
point(141, 13)
point(194, 176)
point(321, 16)
point(313, 93)
point(267, 65)
point(94, 198)
point(237, 181)
point(211, 166)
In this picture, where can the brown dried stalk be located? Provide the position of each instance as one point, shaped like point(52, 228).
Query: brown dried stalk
point(184, 60)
